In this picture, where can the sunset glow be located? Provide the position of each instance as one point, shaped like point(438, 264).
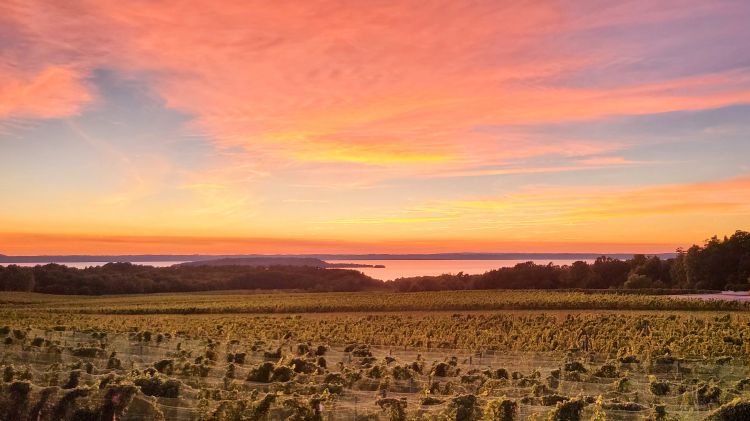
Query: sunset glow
point(356, 127)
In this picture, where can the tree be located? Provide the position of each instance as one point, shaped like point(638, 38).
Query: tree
point(719, 262)
point(16, 278)
point(677, 273)
point(636, 281)
point(608, 272)
point(579, 275)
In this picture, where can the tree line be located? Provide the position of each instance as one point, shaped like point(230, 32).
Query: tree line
point(128, 278)
point(719, 264)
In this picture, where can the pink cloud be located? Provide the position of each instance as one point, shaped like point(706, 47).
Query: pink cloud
point(388, 84)
point(53, 92)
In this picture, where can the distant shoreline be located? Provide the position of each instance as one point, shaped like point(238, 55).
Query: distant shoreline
point(144, 258)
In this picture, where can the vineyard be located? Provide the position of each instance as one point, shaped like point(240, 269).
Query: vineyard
point(302, 302)
point(347, 356)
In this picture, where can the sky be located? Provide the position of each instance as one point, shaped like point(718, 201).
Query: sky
point(372, 126)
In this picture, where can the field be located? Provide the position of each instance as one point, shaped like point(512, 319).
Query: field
point(435, 355)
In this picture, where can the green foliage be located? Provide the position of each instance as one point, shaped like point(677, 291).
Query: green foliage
point(718, 262)
point(157, 386)
point(569, 410)
point(127, 278)
point(737, 409)
point(164, 366)
point(261, 373)
point(464, 408)
point(87, 352)
point(66, 406)
point(431, 400)
point(636, 281)
point(73, 380)
point(708, 394)
point(394, 409)
point(608, 371)
point(500, 409)
point(658, 388)
point(575, 366)
point(455, 356)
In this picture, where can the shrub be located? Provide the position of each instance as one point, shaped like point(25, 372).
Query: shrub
point(394, 409)
point(231, 371)
point(116, 401)
point(607, 371)
point(282, 374)
point(362, 351)
point(261, 373)
point(660, 412)
point(575, 366)
point(740, 385)
point(737, 409)
point(540, 390)
point(114, 363)
point(8, 373)
point(300, 411)
point(87, 352)
point(658, 388)
point(431, 400)
point(272, 354)
point(465, 408)
point(376, 372)
point(301, 366)
point(73, 380)
point(19, 391)
point(155, 386)
point(501, 409)
point(442, 370)
point(64, 408)
point(622, 385)
point(629, 359)
point(303, 349)
point(499, 373)
point(723, 360)
point(43, 404)
point(568, 410)
point(707, 394)
point(164, 366)
point(733, 340)
point(549, 400)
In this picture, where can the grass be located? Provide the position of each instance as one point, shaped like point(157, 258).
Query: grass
point(237, 302)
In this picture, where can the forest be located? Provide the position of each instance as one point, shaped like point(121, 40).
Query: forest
point(719, 264)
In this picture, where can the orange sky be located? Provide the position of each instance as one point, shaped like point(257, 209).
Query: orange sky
point(353, 127)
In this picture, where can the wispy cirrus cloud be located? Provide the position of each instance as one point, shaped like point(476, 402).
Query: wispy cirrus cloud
point(53, 92)
point(539, 111)
point(580, 212)
point(380, 84)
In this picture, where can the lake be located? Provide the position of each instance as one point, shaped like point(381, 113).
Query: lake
point(393, 268)
point(408, 268)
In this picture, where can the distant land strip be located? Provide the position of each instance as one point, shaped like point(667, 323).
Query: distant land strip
point(324, 257)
